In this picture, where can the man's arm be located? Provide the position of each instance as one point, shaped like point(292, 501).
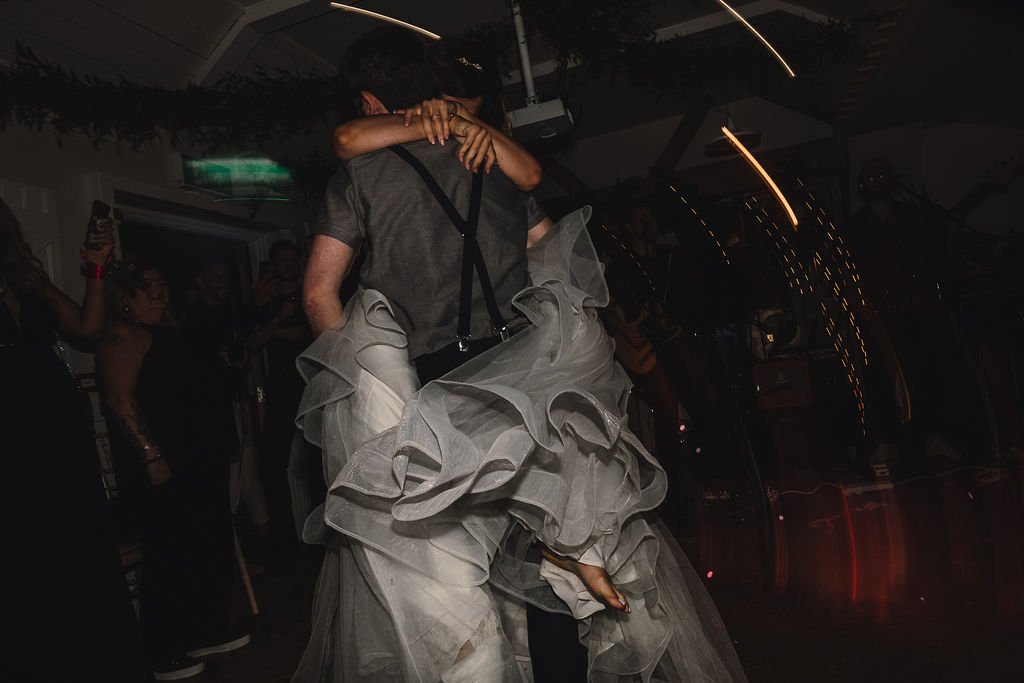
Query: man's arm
point(537, 232)
point(329, 263)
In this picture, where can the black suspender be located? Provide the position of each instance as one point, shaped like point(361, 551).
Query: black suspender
point(472, 257)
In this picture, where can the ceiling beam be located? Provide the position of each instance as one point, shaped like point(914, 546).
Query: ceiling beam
point(696, 111)
point(250, 26)
point(697, 25)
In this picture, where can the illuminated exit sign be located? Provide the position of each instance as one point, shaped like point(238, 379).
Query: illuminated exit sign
point(238, 177)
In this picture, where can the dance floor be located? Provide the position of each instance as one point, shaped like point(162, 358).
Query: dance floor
point(862, 580)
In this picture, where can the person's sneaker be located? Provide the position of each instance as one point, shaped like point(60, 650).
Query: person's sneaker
point(221, 645)
point(177, 668)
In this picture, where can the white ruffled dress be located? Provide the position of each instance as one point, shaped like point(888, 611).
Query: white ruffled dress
point(437, 494)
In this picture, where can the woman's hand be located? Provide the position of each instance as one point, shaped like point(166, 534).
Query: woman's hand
point(158, 472)
point(435, 117)
point(104, 243)
point(477, 144)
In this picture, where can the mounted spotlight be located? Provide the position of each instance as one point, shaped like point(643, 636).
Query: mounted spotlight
point(537, 120)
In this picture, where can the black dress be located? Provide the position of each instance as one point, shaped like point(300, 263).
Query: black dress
point(67, 611)
point(186, 525)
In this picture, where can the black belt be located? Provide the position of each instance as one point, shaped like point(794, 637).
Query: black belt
point(472, 257)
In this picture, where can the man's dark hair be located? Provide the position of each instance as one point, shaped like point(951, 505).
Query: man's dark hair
point(281, 246)
point(389, 62)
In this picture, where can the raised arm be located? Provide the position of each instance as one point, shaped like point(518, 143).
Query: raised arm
point(372, 133)
point(514, 159)
point(119, 359)
point(85, 322)
point(435, 121)
point(329, 263)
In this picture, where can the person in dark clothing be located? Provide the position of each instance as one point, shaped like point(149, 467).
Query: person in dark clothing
point(171, 400)
point(900, 258)
point(282, 330)
point(212, 321)
point(214, 324)
point(67, 613)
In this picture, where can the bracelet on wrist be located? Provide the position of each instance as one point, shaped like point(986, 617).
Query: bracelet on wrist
point(150, 457)
point(93, 271)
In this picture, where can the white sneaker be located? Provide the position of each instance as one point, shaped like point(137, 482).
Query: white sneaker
point(221, 647)
point(177, 668)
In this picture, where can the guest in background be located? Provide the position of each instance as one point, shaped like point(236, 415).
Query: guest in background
point(213, 323)
point(282, 329)
point(66, 606)
point(172, 402)
point(901, 258)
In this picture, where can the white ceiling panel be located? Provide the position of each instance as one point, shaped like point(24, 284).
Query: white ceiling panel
point(172, 23)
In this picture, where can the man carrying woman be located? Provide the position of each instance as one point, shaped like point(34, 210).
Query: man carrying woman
point(473, 420)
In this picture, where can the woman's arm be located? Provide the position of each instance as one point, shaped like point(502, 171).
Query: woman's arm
point(84, 322)
point(431, 121)
point(119, 359)
point(518, 164)
point(372, 133)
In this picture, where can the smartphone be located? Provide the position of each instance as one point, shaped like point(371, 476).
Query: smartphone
point(100, 211)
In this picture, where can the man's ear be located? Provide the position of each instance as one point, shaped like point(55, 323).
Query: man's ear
point(371, 105)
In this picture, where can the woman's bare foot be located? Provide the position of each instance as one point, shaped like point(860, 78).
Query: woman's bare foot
point(595, 578)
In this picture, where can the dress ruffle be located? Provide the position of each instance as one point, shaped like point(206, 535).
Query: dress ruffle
point(526, 442)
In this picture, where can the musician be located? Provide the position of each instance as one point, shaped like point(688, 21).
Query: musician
point(900, 257)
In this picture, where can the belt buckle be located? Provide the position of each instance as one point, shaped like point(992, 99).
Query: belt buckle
point(463, 343)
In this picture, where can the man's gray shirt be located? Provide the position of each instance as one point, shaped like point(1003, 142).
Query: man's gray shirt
point(413, 252)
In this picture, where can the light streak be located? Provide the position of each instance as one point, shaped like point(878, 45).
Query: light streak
point(763, 173)
point(739, 18)
point(384, 17)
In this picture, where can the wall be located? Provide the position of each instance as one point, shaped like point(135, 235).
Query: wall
point(79, 172)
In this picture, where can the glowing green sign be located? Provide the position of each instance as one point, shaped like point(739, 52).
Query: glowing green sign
point(242, 177)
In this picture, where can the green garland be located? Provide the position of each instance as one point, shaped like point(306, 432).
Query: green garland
point(237, 110)
point(614, 37)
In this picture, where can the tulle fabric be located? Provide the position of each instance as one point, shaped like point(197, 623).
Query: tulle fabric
point(437, 494)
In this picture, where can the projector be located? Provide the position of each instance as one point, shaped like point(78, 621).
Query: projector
point(540, 121)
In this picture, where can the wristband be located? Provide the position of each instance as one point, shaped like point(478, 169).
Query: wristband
point(93, 271)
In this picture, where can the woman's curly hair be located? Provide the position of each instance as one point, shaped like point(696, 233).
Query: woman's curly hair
point(18, 266)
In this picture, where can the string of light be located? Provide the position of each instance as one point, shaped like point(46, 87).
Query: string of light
point(384, 17)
